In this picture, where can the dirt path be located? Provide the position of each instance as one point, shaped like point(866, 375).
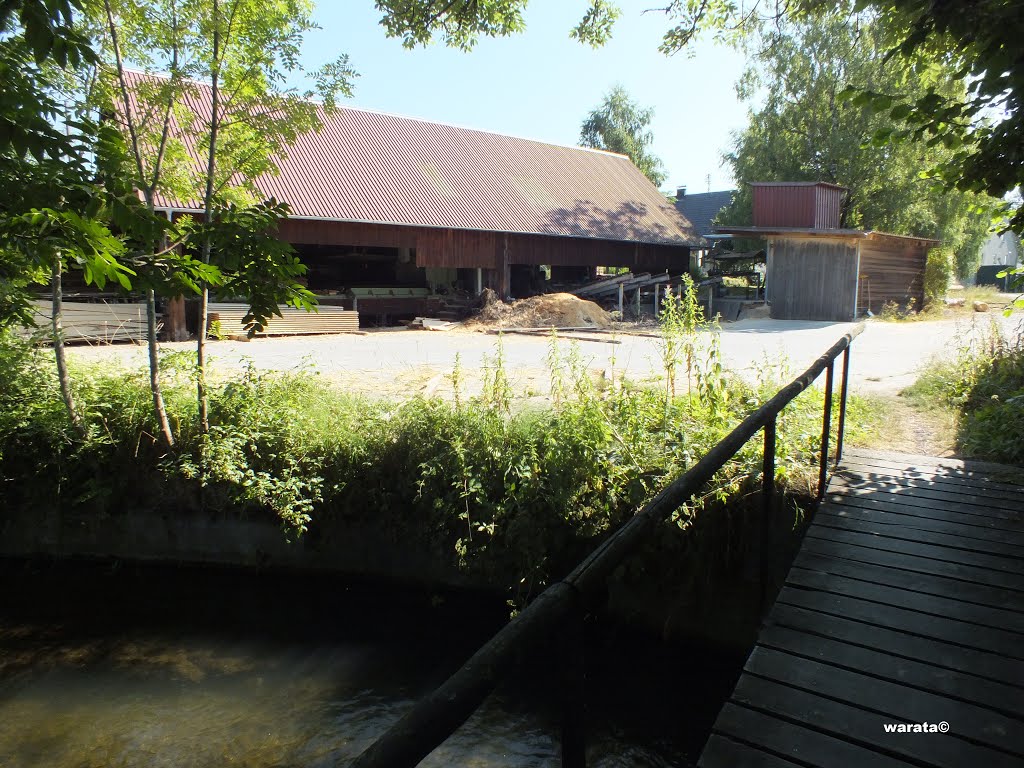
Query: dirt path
point(905, 429)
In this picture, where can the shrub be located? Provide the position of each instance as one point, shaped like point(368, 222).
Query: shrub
point(984, 384)
point(938, 272)
point(484, 483)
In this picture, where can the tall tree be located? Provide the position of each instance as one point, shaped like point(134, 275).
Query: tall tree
point(52, 215)
point(805, 130)
point(40, 164)
point(978, 38)
point(144, 154)
point(207, 130)
point(621, 125)
point(245, 50)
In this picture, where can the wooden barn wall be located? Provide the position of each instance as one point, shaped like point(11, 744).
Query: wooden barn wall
point(891, 270)
point(456, 248)
point(812, 279)
point(309, 232)
point(582, 252)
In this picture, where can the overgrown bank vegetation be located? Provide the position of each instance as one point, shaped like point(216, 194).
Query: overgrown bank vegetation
point(984, 384)
point(488, 485)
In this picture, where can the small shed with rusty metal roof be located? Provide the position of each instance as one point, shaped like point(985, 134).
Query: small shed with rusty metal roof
point(817, 270)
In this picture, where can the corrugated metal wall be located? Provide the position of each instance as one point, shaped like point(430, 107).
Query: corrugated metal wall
point(891, 269)
point(783, 206)
point(812, 279)
point(797, 205)
point(828, 207)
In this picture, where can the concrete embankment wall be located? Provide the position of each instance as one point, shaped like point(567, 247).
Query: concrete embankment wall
point(204, 538)
point(722, 609)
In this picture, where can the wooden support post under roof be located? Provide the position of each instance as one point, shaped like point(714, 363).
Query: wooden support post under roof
point(174, 320)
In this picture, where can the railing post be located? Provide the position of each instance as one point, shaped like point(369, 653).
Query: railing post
point(826, 428)
point(767, 507)
point(574, 699)
point(842, 404)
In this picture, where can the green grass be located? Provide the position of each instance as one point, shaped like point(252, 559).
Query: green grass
point(972, 293)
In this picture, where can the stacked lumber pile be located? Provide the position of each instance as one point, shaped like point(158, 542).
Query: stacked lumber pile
point(293, 322)
point(612, 287)
point(603, 286)
point(94, 322)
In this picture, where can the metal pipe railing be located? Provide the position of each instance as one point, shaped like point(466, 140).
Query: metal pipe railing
point(436, 716)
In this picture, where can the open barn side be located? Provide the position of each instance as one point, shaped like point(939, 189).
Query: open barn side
point(364, 254)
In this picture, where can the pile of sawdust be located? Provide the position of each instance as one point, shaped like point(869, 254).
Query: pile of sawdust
point(552, 310)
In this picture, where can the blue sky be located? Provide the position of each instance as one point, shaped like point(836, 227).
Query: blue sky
point(541, 84)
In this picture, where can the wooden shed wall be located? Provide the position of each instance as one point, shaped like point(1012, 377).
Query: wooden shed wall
point(891, 269)
point(812, 279)
point(458, 248)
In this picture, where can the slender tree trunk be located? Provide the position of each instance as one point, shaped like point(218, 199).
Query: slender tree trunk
point(204, 314)
point(154, 371)
point(149, 190)
point(211, 167)
point(58, 350)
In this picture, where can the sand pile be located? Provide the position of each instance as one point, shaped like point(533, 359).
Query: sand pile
point(552, 310)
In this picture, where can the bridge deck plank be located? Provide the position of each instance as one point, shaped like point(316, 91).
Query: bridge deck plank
point(905, 605)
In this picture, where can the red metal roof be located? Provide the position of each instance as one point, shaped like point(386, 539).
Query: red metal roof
point(366, 166)
point(797, 184)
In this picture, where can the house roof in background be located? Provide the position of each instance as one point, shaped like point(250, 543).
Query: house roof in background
point(700, 209)
point(373, 167)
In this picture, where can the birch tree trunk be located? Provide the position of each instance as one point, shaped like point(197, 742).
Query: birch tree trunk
point(58, 349)
point(211, 168)
point(154, 371)
point(149, 191)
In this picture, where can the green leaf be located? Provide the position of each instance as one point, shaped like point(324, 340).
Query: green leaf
point(900, 111)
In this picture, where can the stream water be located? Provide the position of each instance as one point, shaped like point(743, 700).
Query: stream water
point(157, 667)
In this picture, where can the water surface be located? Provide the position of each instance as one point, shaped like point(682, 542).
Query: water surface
point(140, 666)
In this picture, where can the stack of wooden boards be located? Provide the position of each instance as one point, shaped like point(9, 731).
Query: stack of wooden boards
point(94, 322)
point(610, 287)
point(292, 322)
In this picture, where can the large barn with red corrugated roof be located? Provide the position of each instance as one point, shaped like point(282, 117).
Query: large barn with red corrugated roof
point(380, 200)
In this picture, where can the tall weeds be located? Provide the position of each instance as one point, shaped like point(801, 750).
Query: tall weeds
point(983, 382)
point(483, 482)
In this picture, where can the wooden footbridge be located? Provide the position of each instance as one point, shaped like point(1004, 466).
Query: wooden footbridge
point(897, 639)
point(904, 608)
